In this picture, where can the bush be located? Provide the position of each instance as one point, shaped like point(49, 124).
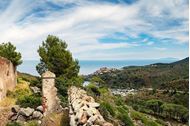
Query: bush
point(37, 83)
point(29, 101)
point(125, 119)
point(107, 107)
point(139, 116)
point(32, 123)
point(18, 93)
point(13, 124)
point(93, 90)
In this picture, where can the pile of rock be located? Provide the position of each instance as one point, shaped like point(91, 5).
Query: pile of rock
point(24, 114)
point(83, 109)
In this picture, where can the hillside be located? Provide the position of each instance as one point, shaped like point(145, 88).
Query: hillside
point(158, 75)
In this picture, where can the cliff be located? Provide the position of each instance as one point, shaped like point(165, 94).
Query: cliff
point(7, 77)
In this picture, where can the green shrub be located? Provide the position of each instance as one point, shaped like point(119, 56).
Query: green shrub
point(18, 93)
point(147, 122)
point(107, 107)
point(29, 101)
point(13, 124)
point(125, 119)
point(93, 90)
point(37, 83)
point(32, 123)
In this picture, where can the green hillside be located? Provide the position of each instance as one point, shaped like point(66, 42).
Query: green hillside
point(158, 75)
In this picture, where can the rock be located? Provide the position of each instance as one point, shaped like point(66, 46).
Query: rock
point(21, 118)
point(91, 111)
point(37, 115)
point(92, 119)
point(83, 118)
point(39, 108)
point(83, 109)
point(26, 111)
point(35, 89)
point(15, 108)
point(94, 105)
point(13, 117)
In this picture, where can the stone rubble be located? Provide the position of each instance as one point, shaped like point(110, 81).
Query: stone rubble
point(24, 114)
point(83, 109)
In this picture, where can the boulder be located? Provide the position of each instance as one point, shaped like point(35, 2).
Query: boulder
point(26, 111)
point(35, 89)
point(15, 108)
point(37, 115)
point(13, 117)
point(39, 108)
point(94, 105)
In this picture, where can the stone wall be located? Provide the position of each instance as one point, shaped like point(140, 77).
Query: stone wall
point(7, 77)
point(83, 109)
point(50, 100)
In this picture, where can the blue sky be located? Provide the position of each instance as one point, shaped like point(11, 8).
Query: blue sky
point(99, 29)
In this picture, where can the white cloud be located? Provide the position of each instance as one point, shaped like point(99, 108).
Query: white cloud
point(84, 24)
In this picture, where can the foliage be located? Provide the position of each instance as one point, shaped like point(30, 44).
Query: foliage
point(161, 76)
point(56, 58)
point(29, 101)
point(62, 84)
point(107, 107)
point(147, 122)
point(13, 124)
point(8, 51)
point(93, 89)
point(123, 115)
point(160, 108)
point(176, 111)
point(32, 123)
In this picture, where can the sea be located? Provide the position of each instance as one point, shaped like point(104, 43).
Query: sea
point(90, 66)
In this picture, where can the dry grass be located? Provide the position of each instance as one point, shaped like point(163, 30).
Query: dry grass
point(7, 102)
point(56, 119)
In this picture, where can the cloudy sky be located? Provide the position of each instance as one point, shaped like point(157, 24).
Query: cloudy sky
point(99, 29)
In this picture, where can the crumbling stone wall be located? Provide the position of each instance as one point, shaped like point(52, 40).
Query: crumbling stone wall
point(83, 109)
point(7, 77)
point(51, 102)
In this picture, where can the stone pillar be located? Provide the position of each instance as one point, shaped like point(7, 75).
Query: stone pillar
point(49, 91)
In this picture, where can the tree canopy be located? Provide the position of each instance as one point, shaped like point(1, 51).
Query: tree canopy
point(8, 51)
point(55, 57)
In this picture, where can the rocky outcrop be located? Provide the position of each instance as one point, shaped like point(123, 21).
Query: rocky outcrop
point(51, 102)
point(83, 109)
point(7, 77)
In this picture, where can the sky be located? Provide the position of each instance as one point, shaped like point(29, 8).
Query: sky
point(99, 29)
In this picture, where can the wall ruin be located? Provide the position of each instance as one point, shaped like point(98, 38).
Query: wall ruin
point(7, 77)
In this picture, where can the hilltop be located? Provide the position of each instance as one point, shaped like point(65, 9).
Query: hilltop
point(158, 75)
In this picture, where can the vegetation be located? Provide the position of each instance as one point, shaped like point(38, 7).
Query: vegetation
point(142, 117)
point(155, 75)
point(23, 96)
point(112, 107)
point(32, 101)
point(159, 108)
point(55, 57)
point(8, 51)
point(13, 124)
